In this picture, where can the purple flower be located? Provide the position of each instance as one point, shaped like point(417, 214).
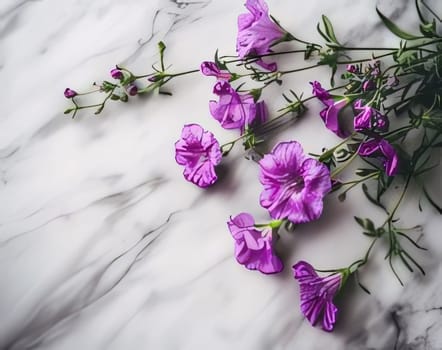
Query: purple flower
point(369, 118)
point(69, 93)
point(384, 150)
point(257, 32)
point(199, 152)
point(392, 81)
point(368, 85)
point(253, 247)
point(351, 68)
point(294, 185)
point(116, 74)
point(330, 114)
point(132, 89)
point(317, 294)
point(211, 69)
point(235, 111)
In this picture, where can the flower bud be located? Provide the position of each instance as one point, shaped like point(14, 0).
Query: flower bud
point(368, 85)
point(116, 74)
point(69, 93)
point(124, 98)
point(153, 79)
point(351, 68)
point(392, 81)
point(132, 89)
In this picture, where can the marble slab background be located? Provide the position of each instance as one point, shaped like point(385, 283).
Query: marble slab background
point(103, 245)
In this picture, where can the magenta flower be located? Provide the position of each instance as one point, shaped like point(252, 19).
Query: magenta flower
point(199, 152)
point(257, 32)
point(212, 70)
point(369, 118)
point(69, 93)
point(233, 110)
point(334, 105)
point(253, 247)
point(383, 150)
point(116, 74)
point(351, 68)
point(317, 294)
point(294, 185)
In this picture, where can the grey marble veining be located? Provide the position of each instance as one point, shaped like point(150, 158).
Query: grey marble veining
point(104, 245)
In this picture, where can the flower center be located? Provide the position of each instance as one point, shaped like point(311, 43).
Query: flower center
point(297, 183)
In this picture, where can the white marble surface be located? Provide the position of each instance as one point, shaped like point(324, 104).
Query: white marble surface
point(103, 244)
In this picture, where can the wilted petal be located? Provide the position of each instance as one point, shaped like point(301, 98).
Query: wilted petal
point(334, 105)
point(211, 69)
point(369, 118)
point(380, 148)
point(322, 94)
point(391, 159)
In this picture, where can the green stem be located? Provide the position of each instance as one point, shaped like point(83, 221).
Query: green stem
point(390, 216)
point(329, 152)
point(167, 74)
point(336, 171)
point(272, 121)
point(263, 55)
point(361, 262)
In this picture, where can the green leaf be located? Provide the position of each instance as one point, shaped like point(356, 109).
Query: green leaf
point(395, 29)
point(419, 12)
point(367, 224)
point(342, 196)
point(161, 47)
point(318, 27)
point(366, 171)
point(428, 29)
point(370, 198)
point(329, 29)
point(431, 200)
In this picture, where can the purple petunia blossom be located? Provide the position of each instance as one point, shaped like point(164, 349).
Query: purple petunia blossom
point(199, 152)
point(317, 294)
point(253, 247)
point(69, 93)
point(211, 69)
point(369, 118)
point(234, 110)
point(257, 32)
point(384, 150)
point(294, 185)
point(330, 114)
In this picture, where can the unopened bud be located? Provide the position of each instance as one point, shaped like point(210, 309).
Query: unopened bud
point(69, 93)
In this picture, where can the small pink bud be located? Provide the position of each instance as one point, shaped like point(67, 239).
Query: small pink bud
point(69, 93)
point(351, 68)
point(368, 85)
point(116, 74)
point(132, 89)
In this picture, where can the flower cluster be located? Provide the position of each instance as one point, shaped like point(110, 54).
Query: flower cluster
point(361, 112)
point(294, 184)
